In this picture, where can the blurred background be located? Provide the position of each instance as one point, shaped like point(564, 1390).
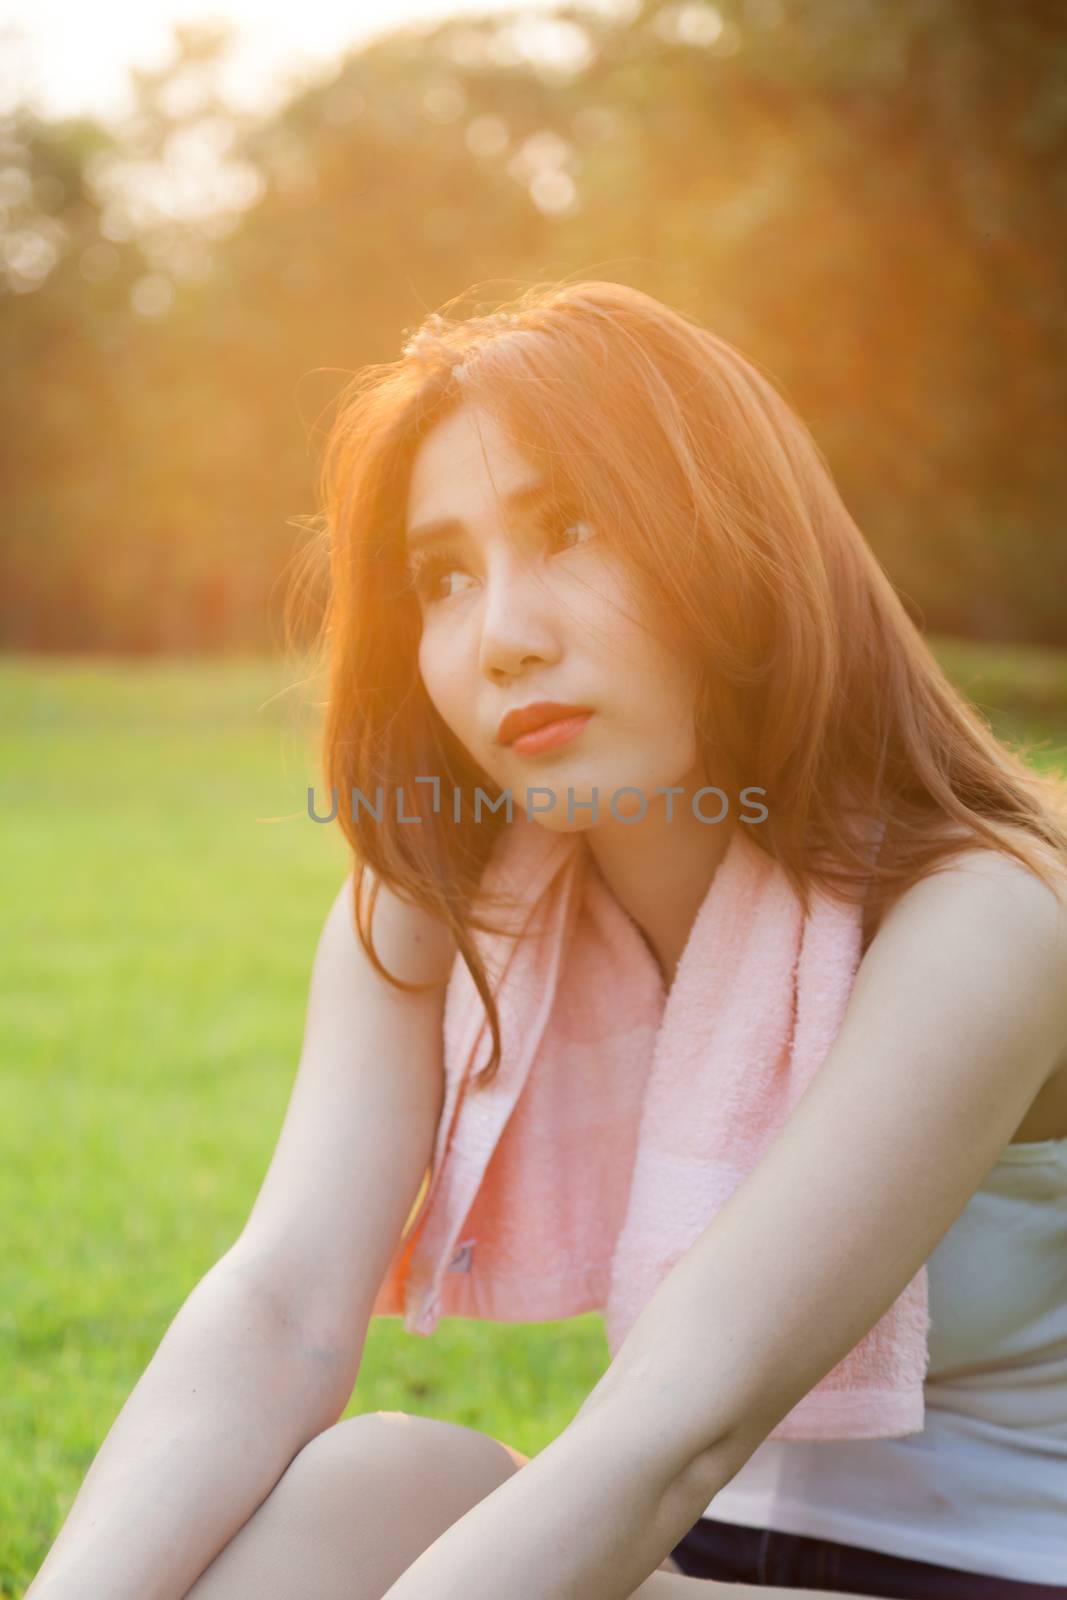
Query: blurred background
point(210, 216)
point(868, 196)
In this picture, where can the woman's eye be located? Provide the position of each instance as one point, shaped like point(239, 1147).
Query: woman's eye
point(570, 523)
point(425, 575)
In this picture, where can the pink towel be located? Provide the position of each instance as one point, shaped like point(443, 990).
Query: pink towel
point(621, 1118)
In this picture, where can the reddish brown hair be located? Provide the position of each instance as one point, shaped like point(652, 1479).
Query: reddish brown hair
point(818, 685)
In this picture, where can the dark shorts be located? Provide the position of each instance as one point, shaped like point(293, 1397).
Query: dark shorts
point(730, 1552)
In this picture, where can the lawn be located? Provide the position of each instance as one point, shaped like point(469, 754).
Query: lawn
point(164, 893)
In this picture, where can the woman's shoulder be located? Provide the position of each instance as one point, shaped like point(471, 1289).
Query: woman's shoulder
point(1005, 871)
point(411, 941)
point(981, 905)
point(1000, 867)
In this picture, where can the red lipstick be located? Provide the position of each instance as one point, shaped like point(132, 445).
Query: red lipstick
point(542, 725)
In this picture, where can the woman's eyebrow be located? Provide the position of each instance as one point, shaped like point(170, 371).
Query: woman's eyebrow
point(525, 497)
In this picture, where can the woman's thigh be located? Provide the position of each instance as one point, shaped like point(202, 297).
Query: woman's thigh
point(356, 1507)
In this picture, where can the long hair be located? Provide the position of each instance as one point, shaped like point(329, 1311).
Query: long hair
point(817, 685)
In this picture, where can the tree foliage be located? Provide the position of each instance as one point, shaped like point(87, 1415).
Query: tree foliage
point(867, 196)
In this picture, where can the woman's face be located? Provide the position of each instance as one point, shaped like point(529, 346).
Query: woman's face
point(521, 601)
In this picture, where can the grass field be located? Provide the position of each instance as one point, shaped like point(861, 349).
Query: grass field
point(164, 891)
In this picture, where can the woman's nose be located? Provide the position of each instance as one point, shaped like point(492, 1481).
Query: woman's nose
point(518, 622)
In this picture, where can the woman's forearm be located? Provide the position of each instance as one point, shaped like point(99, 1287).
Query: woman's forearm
point(232, 1394)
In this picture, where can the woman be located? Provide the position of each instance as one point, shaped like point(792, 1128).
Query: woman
point(590, 505)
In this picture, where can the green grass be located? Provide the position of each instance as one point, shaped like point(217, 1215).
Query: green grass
point(164, 891)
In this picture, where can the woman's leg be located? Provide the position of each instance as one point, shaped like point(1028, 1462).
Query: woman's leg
point(356, 1507)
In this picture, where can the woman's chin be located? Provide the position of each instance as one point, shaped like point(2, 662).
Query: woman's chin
point(564, 809)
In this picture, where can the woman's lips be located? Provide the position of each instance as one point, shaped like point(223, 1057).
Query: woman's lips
point(550, 735)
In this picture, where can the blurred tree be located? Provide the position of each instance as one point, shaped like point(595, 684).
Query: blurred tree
point(867, 196)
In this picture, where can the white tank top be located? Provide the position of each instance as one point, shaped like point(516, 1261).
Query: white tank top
point(983, 1487)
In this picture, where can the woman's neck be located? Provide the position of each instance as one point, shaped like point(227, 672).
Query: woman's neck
point(660, 876)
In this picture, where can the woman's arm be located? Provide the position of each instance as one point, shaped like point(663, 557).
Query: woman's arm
point(264, 1353)
point(234, 1391)
point(587, 1516)
point(957, 1017)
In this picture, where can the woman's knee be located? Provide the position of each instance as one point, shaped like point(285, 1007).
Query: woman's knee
point(425, 1455)
point(356, 1506)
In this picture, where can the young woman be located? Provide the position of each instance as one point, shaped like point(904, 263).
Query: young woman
point(588, 514)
